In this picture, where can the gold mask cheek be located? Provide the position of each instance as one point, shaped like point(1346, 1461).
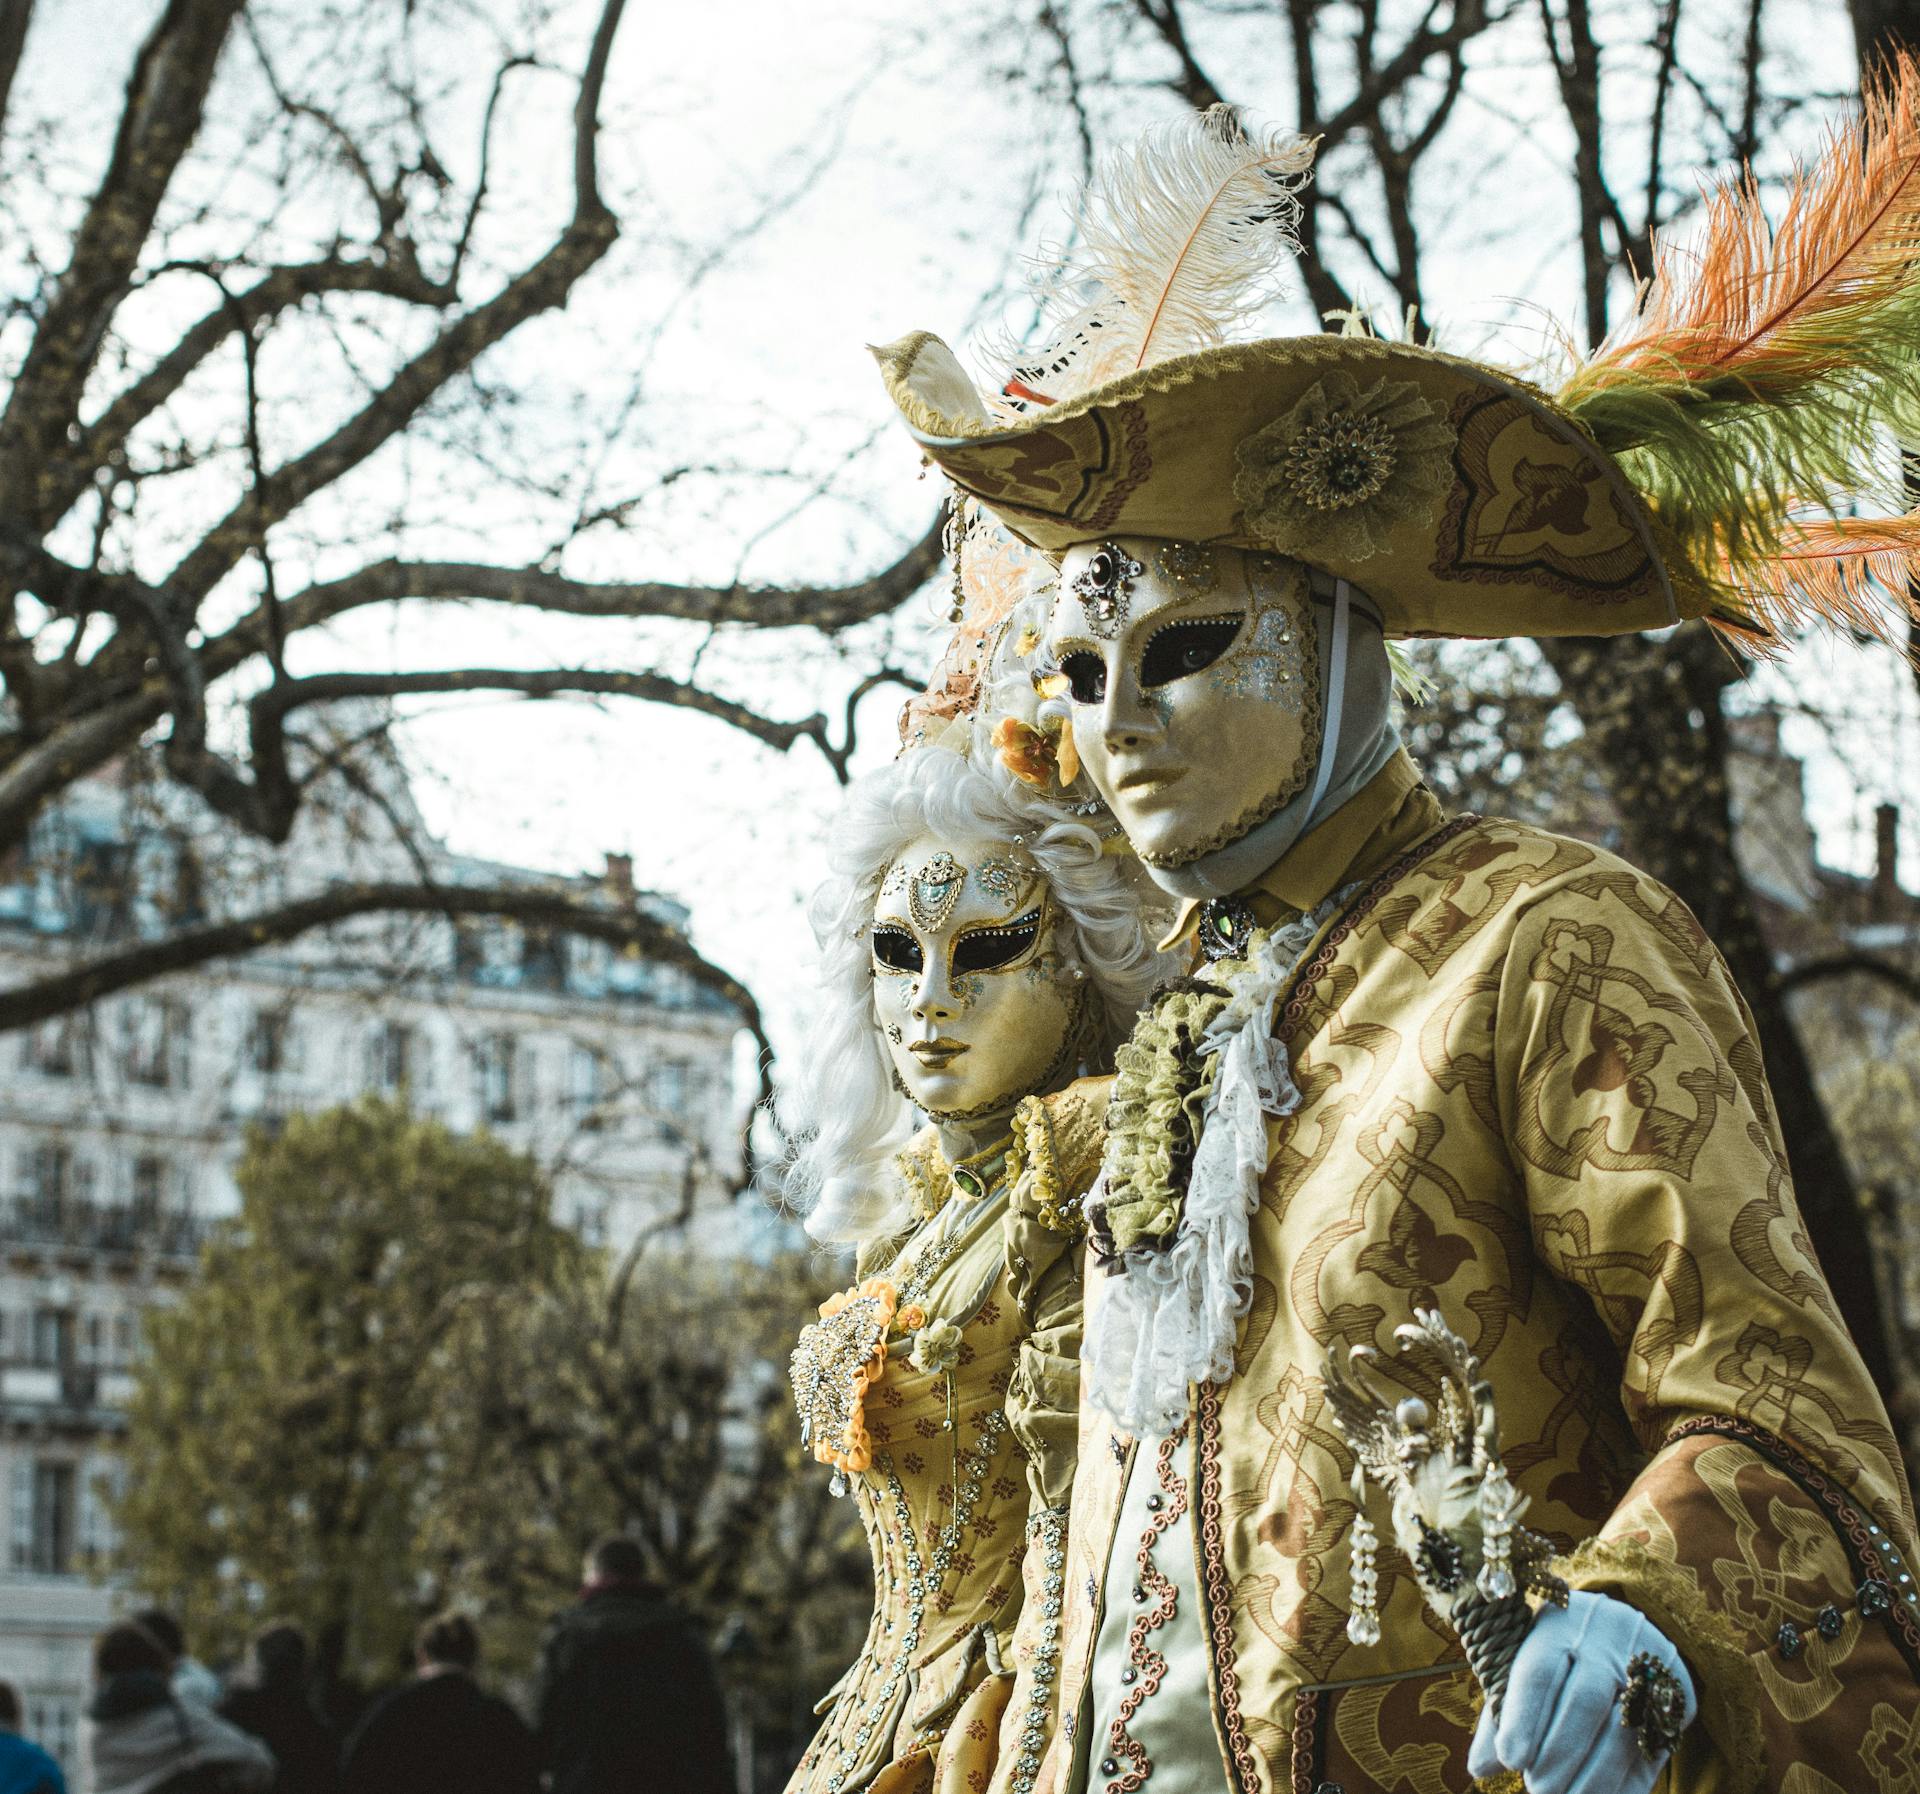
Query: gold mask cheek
point(893, 1012)
point(1019, 1020)
point(1090, 743)
point(1249, 724)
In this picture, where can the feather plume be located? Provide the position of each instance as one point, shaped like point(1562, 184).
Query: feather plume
point(1181, 240)
point(1859, 573)
point(1749, 387)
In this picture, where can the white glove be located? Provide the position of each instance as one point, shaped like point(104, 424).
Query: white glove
point(1560, 1724)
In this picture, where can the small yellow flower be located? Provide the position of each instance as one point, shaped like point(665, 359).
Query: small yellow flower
point(936, 1347)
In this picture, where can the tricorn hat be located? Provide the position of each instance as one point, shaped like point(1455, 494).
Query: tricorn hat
point(1710, 459)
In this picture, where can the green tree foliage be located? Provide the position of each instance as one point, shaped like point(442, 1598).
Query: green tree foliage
point(281, 1452)
point(651, 1398)
point(395, 1384)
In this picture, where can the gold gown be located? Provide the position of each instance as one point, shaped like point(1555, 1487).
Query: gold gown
point(960, 1498)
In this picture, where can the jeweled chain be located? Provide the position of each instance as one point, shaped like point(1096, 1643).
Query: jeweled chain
point(1046, 1533)
point(925, 1577)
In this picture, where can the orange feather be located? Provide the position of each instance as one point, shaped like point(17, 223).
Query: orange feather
point(1763, 302)
point(1859, 573)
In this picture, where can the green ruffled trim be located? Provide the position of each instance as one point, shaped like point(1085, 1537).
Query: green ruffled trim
point(1725, 1680)
point(1159, 1093)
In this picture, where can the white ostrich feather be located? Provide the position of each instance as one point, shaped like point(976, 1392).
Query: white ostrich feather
point(1182, 240)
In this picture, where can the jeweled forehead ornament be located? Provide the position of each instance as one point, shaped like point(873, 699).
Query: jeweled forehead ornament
point(934, 890)
point(1104, 587)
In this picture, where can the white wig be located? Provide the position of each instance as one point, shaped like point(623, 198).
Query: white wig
point(839, 1105)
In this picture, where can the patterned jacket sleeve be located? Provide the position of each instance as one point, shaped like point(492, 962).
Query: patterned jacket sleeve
point(1056, 1151)
point(1770, 1533)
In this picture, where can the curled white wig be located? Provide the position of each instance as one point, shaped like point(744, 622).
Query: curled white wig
point(838, 1105)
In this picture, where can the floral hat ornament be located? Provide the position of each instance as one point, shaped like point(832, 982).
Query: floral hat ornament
point(992, 573)
point(1715, 457)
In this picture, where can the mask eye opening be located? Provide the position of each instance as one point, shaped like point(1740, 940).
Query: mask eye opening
point(895, 950)
point(1086, 675)
point(1213, 636)
point(994, 948)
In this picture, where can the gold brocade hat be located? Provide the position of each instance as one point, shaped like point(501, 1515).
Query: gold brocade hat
point(1710, 459)
point(1460, 500)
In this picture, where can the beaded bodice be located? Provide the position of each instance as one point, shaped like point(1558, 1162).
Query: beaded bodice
point(943, 1492)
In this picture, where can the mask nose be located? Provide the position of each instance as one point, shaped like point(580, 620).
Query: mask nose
point(1127, 720)
point(934, 999)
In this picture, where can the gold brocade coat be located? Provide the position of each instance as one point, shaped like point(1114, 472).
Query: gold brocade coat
point(1531, 1098)
point(956, 1518)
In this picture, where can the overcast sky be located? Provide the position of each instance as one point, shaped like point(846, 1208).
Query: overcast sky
point(825, 175)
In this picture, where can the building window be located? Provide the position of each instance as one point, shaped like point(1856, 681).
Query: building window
point(543, 959)
point(270, 1042)
point(590, 1222)
point(45, 1516)
point(668, 1085)
point(99, 1486)
point(53, 1336)
point(394, 1053)
point(148, 1190)
point(586, 1081)
point(159, 1032)
point(497, 1075)
point(123, 1339)
point(47, 1190)
point(53, 1722)
point(62, 1047)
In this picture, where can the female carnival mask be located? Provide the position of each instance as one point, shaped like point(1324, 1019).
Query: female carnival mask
point(977, 1008)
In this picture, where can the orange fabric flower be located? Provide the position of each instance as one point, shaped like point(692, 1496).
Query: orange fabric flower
point(1024, 752)
point(911, 1318)
point(1067, 756)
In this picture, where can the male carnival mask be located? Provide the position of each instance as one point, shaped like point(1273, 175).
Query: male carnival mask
point(977, 1008)
point(1193, 674)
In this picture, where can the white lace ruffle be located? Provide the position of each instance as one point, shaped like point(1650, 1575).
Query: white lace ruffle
point(1169, 1317)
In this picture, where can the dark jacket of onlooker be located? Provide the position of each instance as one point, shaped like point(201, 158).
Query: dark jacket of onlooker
point(27, 1769)
point(440, 1734)
point(280, 1714)
point(143, 1739)
point(628, 1702)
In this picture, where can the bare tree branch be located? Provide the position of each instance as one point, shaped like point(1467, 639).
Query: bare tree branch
point(533, 905)
point(826, 608)
point(165, 101)
point(15, 17)
point(656, 688)
point(102, 442)
point(1850, 965)
point(588, 235)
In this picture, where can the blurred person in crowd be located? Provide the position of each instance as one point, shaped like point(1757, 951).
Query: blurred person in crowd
point(441, 1733)
point(192, 1680)
point(273, 1702)
point(24, 1767)
point(628, 1701)
point(140, 1737)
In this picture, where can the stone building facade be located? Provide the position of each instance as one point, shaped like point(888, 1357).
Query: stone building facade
point(120, 1126)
